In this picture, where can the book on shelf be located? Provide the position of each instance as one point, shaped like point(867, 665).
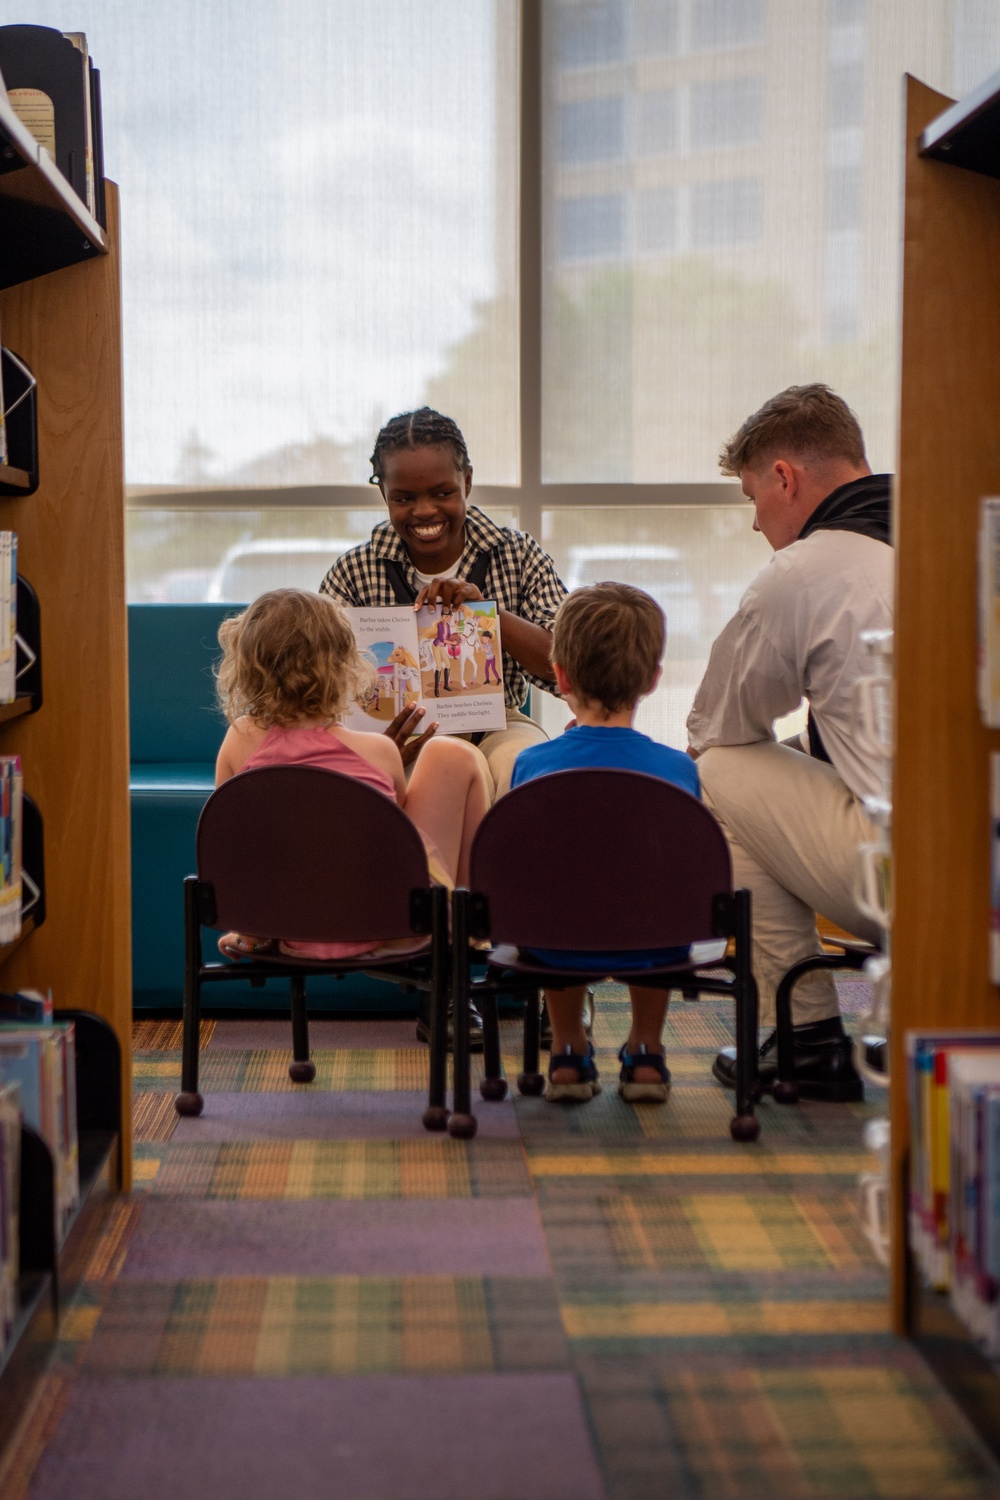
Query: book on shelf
point(10, 1197)
point(8, 616)
point(54, 90)
point(975, 1196)
point(989, 612)
point(42, 1060)
point(447, 662)
point(929, 1060)
point(4, 456)
point(11, 815)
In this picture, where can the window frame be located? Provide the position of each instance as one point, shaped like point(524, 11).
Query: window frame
point(529, 495)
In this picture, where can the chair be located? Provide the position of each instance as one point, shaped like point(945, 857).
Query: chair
point(852, 954)
point(307, 855)
point(590, 860)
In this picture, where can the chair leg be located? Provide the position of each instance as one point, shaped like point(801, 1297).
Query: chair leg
point(786, 1090)
point(436, 1113)
point(494, 1085)
point(189, 1101)
point(301, 1069)
point(531, 1081)
point(463, 1122)
point(745, 1126)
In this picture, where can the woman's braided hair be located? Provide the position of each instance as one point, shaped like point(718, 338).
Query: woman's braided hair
point(425, 428)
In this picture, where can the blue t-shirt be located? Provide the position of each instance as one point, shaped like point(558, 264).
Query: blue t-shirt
point(590, 748)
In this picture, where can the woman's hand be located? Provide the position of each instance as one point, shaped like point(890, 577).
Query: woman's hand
point(448, 592)
point(403, 726)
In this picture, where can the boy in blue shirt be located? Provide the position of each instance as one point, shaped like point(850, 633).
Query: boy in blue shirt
point(606, 648)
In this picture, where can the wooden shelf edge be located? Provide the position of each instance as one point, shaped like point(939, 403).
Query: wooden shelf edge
point(6, 949)
point(32, 154)
point(14, 481)
point(16, 710)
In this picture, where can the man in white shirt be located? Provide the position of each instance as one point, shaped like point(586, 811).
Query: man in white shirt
point(794, 821)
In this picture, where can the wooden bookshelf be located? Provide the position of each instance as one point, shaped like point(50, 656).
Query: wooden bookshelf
point(67, 326)
point(949, 457)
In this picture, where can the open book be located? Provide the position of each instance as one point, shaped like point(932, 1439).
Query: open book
point(447, 662)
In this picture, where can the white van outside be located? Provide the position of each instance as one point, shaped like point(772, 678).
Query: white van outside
point(249, 569)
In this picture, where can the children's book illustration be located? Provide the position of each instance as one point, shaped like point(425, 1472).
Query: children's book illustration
point(447, 661)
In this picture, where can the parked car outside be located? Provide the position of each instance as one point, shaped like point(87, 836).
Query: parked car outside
point(657, 569)
point(249, 569)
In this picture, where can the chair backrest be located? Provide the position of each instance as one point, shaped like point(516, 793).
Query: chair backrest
point(309, 855)
point(173, 712)
point(599, 860)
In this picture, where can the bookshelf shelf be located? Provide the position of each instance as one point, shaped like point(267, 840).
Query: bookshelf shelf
point(948, 444)
point(6, 949)
point(968, 134)
point(22, 705)
point(14, 481)
point(43, 224)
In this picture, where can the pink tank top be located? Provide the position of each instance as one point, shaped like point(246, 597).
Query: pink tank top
point(315, 746)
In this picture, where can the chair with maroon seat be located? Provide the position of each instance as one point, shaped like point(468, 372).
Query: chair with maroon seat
point(304, 854)
point(595, 860)
point(840, 953)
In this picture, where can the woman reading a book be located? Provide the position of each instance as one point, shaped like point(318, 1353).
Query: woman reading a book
point(290, 668)
point(436, 548)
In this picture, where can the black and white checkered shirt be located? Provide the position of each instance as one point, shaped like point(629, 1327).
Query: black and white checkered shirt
point(521, 578)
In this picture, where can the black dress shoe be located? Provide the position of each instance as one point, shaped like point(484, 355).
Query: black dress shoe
point(824, 1065)
point(475, 1030)
point(545, 1024)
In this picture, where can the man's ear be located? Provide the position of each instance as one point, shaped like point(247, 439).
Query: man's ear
point(787, 475)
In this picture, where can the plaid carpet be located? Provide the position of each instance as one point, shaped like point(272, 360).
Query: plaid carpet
point(637, 1307)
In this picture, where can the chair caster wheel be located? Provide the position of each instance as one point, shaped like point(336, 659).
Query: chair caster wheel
point(744, 1127)
point(188, 1104)
point(462, 1127)
point(786, 1092)
point(530, 1083)
point(302, 1072)
point(493, 1089)
point(435, 1117)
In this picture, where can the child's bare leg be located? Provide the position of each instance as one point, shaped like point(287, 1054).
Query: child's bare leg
point(447, 799)
point(566, 1015)
point(649, 1011)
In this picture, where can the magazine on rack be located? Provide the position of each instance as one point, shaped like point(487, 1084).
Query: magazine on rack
point(445, 661)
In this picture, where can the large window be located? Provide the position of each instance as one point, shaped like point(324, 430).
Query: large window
point(331, 213)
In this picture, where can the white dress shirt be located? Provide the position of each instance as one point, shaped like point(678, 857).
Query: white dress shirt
point(797, 634)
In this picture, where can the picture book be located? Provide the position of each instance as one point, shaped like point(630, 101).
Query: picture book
point(446, 661)
point(989, 612)
point(41, 1059)
point(8, 616)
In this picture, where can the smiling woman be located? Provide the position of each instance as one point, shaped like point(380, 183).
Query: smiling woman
point(435, 548)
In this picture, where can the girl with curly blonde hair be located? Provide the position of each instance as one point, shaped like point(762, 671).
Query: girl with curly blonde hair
point(290, 669)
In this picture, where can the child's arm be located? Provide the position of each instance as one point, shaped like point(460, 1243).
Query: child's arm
point(380, 751)
point(242, 739)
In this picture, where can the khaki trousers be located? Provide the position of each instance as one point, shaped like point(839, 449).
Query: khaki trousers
point(793, 829)
point(500, 748)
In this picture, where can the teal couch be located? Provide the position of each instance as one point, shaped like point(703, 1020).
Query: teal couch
point(176, 729)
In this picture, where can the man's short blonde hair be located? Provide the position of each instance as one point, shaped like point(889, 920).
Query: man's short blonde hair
point(609, 640)
point(291, 655)
point(808, 422)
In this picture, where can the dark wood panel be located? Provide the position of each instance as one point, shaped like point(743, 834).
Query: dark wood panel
point(67, 326)
point(949, 457)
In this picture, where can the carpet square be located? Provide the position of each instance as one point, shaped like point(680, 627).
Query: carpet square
point(434, 1167)
point(261, 1036)
point(344, 1325)
point(473, 1437)
point(176, 1239)
point(318, 1116)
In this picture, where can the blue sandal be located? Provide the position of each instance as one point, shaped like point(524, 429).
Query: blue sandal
point(643, 1093)
point(586, 1086)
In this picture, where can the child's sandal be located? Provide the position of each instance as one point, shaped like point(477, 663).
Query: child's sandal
point(643, 1093)
point(587, 1084)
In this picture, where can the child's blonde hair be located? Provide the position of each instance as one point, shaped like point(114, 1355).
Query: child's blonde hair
point(609, 639)
point(290, 655)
